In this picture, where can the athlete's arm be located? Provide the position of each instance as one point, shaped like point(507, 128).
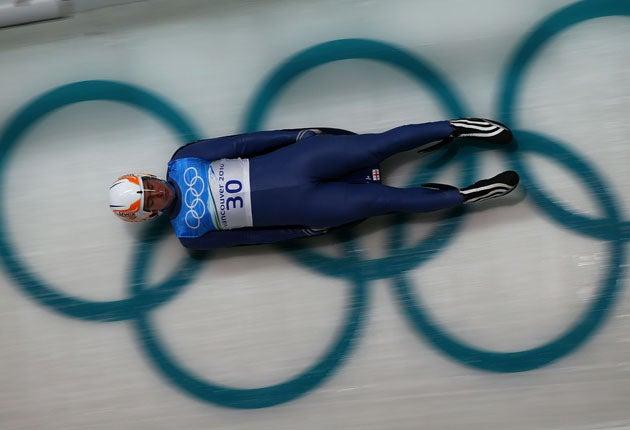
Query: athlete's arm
point(247, 236)
point(240, 145)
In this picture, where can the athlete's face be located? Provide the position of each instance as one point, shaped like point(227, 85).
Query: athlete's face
point(158, 194)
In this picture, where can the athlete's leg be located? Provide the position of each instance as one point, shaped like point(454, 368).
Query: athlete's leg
point(336, 203)
point(337, 155)
point(328, 157)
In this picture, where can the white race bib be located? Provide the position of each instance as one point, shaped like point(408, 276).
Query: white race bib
point(231, 192)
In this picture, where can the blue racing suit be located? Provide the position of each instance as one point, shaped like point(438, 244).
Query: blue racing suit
point(301, 182)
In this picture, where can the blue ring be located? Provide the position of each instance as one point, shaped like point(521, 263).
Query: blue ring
point(166, 364)
point(29, 282)
point(345, 49)
point(521, 361)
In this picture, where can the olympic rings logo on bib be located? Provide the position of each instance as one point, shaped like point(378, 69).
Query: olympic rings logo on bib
point(354, 266)
point(195, 186)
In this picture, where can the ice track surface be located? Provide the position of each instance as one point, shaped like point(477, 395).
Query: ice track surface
point(511, 315)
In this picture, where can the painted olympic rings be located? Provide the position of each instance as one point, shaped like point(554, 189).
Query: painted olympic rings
point(352, 266)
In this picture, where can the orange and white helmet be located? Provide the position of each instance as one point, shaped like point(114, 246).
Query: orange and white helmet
point(126, 198)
